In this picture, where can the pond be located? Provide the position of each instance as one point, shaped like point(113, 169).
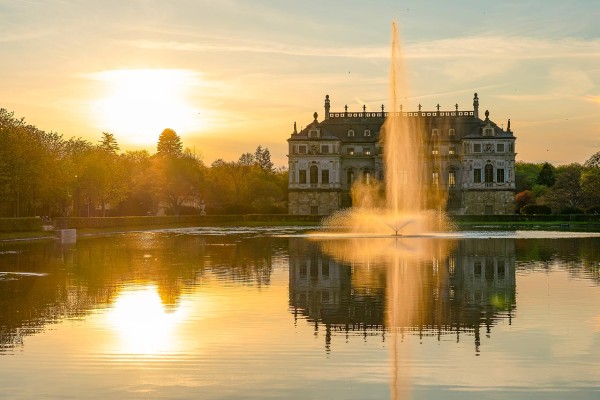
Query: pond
point(255, 313)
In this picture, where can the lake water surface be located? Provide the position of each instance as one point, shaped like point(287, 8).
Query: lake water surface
point(262, 313)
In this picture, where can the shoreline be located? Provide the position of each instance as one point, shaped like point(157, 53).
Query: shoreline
point(556, 225)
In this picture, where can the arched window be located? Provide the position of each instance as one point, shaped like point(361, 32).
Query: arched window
point(350, 177)
point(489, 173)
point(367, 177)
point(314, 174)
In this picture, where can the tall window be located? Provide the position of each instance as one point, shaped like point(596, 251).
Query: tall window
point(452, 150)
point(451, 179)
point(435, 151)
point(435, 178)
point(476, 147)
point(314, 174)
point(489, 173)
point(366, 151)
point(367, 177)
point(325, 148)
point(350, 151)
point(302, 176)
point(325, 176)
point(500, 148)
point(500, 175)
point(350, 177)
point(477, 175)
point(302, 149)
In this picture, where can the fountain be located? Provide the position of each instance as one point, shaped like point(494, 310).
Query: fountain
point(409, 206)
point(405, 207)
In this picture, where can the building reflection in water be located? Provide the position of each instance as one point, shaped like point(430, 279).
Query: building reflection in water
point(425, 287)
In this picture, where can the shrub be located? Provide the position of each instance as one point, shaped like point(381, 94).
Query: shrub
point(27, 224)
point(593, 210)
point(571, 210)
point(536, 209)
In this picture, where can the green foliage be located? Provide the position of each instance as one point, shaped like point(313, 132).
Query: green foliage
point(43, 174)
point(571, 210)
point(593, 161)
point(526, 175)
point(546, 176)
point(28, 224)
point(536, 209)
point(169, 144)
point(566, 191)
point(590, 186)
point(109, 143)
point(593, 210)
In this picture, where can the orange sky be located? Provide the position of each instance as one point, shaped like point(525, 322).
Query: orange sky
point(228, 76)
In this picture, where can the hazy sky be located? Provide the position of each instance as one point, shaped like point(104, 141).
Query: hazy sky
point(228, 75)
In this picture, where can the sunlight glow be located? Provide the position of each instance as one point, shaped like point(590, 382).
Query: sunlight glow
point(143, 325)
point(140, 103)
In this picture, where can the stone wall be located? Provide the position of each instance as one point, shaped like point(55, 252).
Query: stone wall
point(314, 202)
point(482, 202)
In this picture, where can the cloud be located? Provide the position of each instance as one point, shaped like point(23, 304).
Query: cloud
point(473, 47)
point(208, 44)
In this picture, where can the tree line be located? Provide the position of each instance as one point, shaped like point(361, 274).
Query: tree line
point(43, 174)
point(543, 188)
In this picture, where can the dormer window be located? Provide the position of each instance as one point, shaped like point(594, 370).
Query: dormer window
point(350, 132)
point(488, 132)
point(435, 132)
point(451, 132)
point(313, 133)
point(367, 132)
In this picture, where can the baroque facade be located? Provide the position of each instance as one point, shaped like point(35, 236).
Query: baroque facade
point(471, 158)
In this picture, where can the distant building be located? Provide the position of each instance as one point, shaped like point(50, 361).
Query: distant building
point(472, 158)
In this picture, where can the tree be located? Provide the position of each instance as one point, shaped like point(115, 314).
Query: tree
point(590, 187)
point(178, 180)
point(246, 159)
point(593, 161)
point(108, 143)
point(526, 174)
point(262, 158)
point(523, 198)
point(141, 199)
point(566, 191)
point(546, 176)
point(169, 144)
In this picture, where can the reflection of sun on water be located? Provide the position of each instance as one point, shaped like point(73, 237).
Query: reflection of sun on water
point(141, 103)
point(142, 323)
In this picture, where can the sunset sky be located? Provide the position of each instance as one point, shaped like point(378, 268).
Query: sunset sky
point(229, 75)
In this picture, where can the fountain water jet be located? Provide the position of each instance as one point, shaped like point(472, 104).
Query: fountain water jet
point(409, 205)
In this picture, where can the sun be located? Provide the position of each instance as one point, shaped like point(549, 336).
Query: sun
point(140, 103)
point(142, 324)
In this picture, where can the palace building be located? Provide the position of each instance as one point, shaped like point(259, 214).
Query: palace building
point(471, 158)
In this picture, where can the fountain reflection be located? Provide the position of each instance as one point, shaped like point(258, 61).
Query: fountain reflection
point(425, 287)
